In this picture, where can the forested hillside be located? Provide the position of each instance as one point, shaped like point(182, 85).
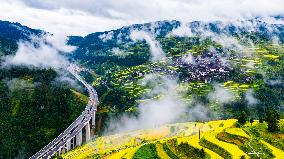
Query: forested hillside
point(36, 104)
point(207, 60)
point(146, 75)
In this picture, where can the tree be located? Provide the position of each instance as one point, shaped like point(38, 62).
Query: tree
point(242, 118)
point(272, 118)
point(260, 120)
point(251, 121)
point(202, 153)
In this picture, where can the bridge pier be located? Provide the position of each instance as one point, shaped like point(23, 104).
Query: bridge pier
point(94, 119)
point(79, 138)
point(63, 150)
point(88, 132)
point(72, 143)
point(58, 153)
point(68, 145)
point(92, 132)
point(93, 125)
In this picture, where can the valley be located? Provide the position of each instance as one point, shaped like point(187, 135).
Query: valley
point(165, 89)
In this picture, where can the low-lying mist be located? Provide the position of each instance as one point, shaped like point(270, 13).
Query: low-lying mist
point(154, 112)
point(41, 52)
point(169, 106)
point(48, 51)
point(157, 52)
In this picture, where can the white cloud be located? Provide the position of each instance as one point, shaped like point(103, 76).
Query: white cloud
point(221, 95)
point(63, 78)
point(150, 114)
point(228, 42)
point(44, 56)
point(182, 31)
point(67, 21)
point(82, 17)
point(274, 82)
point(59, 41)
point(17, 83)
point(198, 112)
point(106, 36)
point(119, 53)
point(155, 47)
point(250, 97)
point(188, 59)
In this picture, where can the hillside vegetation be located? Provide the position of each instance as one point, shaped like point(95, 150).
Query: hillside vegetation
point(120, 89)
point(36, 104)
point(240, 61)
point(220, 72)
point(218, 139)
point(34, 108)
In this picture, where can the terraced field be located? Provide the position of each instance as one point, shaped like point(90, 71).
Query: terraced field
point(214, 139)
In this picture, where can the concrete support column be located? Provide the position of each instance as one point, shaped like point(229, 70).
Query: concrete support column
point(72, 144)
point(63, 150)
point(92, 132)
point(94, 119)
point(93, 125)
point(79, 138)
point(68, 145)
point(54, 154)
point(88, 132)
point(58, 152)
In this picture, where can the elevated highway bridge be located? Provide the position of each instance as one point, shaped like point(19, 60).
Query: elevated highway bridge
point(83, 126)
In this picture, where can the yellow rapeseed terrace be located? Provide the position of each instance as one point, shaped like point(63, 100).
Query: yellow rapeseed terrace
point(270, 56)
point(118, 155)
point(237, 131)
point(80, 152)
point(194, 141)
point(126, 144)
point(130, 152)
point(161, 152)
point(275, 151)
point(231, 148)
point(125, 153)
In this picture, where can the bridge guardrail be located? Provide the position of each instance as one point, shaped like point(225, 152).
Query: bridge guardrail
point(73, 129)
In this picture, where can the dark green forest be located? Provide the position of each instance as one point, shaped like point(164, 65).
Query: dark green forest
point(35, 106)
point(34, 109)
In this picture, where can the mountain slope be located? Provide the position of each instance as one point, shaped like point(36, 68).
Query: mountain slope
point(220, 68)
point(218, 139)
point(36, 104)
point(204, 71)
point(16, 31)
